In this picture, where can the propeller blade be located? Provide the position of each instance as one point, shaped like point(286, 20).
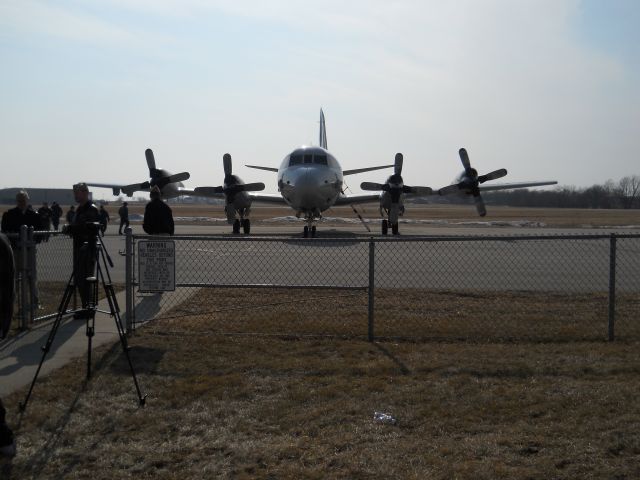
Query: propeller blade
point(151, 161)
point(492, 175)
point(177, 177)
point(449, 189)
point(465, 159)
point(371, 186)
point(252, 187)
point(482, 211)
point(226, 162)
point(208, 191)
point(134, 187)
point(421, 191)
point(397, 167)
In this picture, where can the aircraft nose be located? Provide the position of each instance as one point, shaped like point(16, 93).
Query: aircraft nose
point(304, 179)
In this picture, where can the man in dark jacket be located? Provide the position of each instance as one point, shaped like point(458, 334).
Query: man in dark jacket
point(12, 220)
point(104, 219)
point(7, 443)
point(56, 213)
point(158, 219)
point(123, 211)
point(7, 285)
point(84, 230)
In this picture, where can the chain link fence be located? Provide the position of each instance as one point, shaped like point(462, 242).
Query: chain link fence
point(478, 288)
point(556, 288)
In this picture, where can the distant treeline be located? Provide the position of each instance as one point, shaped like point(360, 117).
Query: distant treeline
point(623, 194)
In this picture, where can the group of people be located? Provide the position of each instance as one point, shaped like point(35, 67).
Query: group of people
point(158, 220)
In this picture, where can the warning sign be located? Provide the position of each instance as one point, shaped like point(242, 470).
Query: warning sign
point(157, 266)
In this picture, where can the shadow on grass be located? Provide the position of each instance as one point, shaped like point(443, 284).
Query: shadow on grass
point(403, 368)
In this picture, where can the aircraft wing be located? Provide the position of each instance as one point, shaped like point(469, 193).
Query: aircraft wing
point(275, 198)
point(268, 169)
point(366, 169)
point(117, 188)
point(509, 186)
point(356, 199)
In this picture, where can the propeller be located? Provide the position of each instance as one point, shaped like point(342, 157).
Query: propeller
point(232, 184)
point(470, 183)
point(158, 178)
point(395, 184)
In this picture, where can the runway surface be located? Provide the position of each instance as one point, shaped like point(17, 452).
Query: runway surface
point(339, 256)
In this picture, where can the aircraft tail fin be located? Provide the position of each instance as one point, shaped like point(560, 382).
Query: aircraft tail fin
point(323, 131)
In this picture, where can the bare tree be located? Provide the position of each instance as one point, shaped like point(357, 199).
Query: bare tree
point(628, 190)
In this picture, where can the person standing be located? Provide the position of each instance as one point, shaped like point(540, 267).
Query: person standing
point(7, 283)
point(124, 217)
point(84, 231)
point(12, 220)
point(56, 213)
point(45, 218)
point(71, 213)
point(158, 218)
point(103, 215)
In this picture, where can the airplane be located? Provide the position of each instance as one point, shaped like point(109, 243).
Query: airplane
point(467, 183)
point(170, 185)
point(310, 181)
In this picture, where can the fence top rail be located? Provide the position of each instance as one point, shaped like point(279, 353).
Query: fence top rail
point(281, 238)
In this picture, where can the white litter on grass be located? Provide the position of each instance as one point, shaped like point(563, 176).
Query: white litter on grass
point(386, 418)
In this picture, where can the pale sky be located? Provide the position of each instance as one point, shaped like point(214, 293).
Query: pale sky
point(547, 89)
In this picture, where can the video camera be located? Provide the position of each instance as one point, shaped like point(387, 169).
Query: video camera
point(84, 230)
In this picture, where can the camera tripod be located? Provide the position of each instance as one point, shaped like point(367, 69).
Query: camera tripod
point(91, 251)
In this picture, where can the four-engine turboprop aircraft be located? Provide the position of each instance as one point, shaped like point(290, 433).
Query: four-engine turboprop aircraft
point(394, 191)
point(310, 180)
point(170, 185)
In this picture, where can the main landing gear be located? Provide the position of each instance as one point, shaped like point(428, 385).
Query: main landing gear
point(394, 227)
point(246, 226)
point(309, 231)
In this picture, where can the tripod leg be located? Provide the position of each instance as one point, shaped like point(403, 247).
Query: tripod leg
point(64, 303)
point(91, 321)
point(115, 313)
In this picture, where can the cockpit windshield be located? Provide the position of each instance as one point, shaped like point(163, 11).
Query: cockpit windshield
point(298, 159)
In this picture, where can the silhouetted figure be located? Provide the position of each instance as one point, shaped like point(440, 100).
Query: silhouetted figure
point(158, 218)
point(7, 442)
point(71, 213)
point(124, 217)
point(103, 215)
point(7, 272)
point(7, 285)
point(12, 220)
point(84, 230)
point(45, 218)
point(56, 213)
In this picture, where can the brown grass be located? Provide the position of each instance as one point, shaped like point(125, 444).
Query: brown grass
point(288, 407)
point(412, 314)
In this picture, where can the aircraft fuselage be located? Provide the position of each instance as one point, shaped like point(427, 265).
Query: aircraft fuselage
point(310, 180)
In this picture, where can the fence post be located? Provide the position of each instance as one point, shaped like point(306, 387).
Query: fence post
point(372, 250)
point(24, 280)
point(612, 285)
point(34, 293)
point(128, 262)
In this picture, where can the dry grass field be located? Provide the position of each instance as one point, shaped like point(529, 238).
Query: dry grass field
point(247, 406)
